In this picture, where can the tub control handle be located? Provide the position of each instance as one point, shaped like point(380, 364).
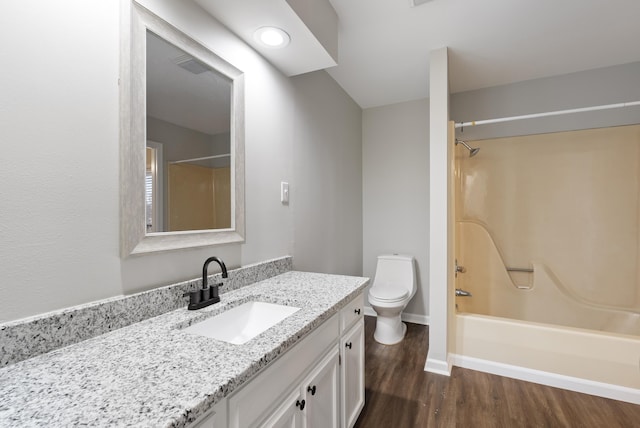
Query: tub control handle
point(300, 404)
point(348, 345)
point(462, 293)
point(357, 311)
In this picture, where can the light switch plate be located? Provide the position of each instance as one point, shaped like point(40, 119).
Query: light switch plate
point(284, 192)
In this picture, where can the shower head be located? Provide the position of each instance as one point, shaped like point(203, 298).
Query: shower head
point(472, 151)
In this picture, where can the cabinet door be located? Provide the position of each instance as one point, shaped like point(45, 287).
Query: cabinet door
point(289, 414)
point(352, 374)
point(322, 392)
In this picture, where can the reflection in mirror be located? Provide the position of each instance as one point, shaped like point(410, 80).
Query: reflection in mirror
point(182, 140)
point(188, 120)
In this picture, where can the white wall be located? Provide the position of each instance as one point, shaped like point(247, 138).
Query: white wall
point(440, 215)
point(59, 186)
point(395, 171)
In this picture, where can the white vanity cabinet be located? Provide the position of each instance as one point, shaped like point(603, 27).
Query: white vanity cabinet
point(319, 383)
point(315, 402)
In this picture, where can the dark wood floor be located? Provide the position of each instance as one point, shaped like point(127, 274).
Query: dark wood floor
point(399, 393)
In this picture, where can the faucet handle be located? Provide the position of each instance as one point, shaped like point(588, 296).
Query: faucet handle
point(194, 296)
point(214, 291)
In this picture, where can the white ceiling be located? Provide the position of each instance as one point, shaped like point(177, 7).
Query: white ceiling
point(384, 45)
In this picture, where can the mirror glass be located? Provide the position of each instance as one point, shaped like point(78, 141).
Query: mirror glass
point(188, 155)
point(182, 140)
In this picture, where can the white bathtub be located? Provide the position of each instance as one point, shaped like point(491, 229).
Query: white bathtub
point(540, 332)
point(591, 362)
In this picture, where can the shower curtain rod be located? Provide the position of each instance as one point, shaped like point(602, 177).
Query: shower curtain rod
point(203, 158)
point(549, 113)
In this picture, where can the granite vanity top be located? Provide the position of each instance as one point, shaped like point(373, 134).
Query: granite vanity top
point(152, 374)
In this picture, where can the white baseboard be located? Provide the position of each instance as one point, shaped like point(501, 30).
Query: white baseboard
point(412, 318)
point(416, 319)
point(615, 392)
point(438, 367)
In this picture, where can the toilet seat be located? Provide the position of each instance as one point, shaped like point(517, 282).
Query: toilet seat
point(388, 294)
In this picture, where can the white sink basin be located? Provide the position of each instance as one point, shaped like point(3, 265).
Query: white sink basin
point(242, 323)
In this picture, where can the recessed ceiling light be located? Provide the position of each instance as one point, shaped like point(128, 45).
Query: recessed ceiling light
point(272, 37)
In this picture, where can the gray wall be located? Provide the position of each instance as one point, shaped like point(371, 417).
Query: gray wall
point(59, 189)
point(327, 187)
point(179, 143)
point(584, 89)
point(395, 171)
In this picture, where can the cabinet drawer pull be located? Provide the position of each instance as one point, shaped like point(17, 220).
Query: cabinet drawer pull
point(347, 345)
point(300, 404)
point(357, 311)
point(312, 389)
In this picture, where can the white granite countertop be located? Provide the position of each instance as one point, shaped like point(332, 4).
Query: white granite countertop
point(152, 374)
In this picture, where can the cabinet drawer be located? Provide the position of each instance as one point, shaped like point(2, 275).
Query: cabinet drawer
point(351, 313)
point(248, 405)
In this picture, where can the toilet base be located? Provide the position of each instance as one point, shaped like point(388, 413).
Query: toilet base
point(389, 330)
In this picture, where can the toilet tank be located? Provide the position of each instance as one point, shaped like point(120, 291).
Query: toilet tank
point(395, 271)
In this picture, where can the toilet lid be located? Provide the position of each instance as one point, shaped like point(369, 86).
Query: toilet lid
point(388, 294)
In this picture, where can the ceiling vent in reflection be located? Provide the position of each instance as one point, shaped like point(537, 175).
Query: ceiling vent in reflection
point(191, 64)
point(415, 3)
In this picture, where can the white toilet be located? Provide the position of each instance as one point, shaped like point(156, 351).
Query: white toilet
point(393, 287)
